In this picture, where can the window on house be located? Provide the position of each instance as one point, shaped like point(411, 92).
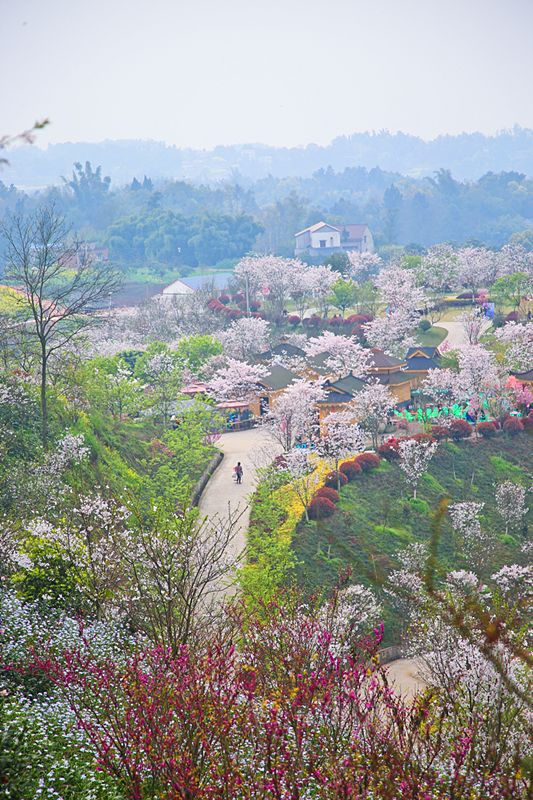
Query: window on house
point(322, 242)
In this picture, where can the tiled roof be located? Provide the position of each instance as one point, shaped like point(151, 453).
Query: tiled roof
point(316, 227)
point(421, 363)
point(430, 352)
point(525, 376)
point(348, 384)
point(380, 360)
point(334, 398)
point(355, 232)
point(278, 377)
point(281, 350)
point(392, 378)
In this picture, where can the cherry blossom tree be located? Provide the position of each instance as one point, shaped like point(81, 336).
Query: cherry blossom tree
point(237, 380)
point(341, 438)
point(321, 279)
point(511, 504)
point(478, 380)
point(465, 521)
point(473, 323)
point(392, 333)
point(294, 415)
point(476, 268)
point(438, 268)
point(515, 258)
point(276, 277)
point(371, 407)
point(398, 290)
point(363, 265)
point(518, 338)
point(414, 460)
point(344, 353)
point(297, 464)
point(245, 338)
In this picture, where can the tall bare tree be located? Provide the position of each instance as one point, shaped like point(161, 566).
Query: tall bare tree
point(59, 284)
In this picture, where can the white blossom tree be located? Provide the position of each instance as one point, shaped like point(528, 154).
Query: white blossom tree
point(518, 339)
point(466, 524)
point(363, 265)
point(371, 407)
point(341, 438)
point(344, 353)
point(294, 416)
point(438, 268)
point(476, 268)
point(392, 333)
point(414, 460)
point(473, 323)
point(398, 290)
point(237, 380)
point(298, 466)
point(511, 504)
point(245, 338)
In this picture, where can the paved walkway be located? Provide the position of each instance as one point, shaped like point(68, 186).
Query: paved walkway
point(253, 448)
point(456, 333)
point(404, 675)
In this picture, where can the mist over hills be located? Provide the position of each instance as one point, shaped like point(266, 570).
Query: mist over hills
point(467, 156)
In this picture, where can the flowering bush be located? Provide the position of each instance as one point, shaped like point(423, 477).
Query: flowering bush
point(238, 297)
point(528, 422)
point(460, 429)
point(487, 429)
point(351, 469)
point(367, 461)
point(255, 305)
point(320, 508)
point(513, 425)
point(334, 478)
point(440, 432)
point(224, 299)
point(389, 449)
point(423, 437)
point(328, 493)
point(294, 320)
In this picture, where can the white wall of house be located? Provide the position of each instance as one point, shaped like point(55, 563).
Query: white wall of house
point(331, 237)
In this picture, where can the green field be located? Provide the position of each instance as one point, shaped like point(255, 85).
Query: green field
point(431, 338)
point(376, 519)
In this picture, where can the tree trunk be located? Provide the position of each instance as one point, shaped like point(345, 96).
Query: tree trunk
point(44, 404)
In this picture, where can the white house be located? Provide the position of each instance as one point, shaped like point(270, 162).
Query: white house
point(215, 282)
point(321, 239)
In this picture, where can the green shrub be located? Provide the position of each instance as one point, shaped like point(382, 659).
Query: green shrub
point(424, 325)
point(421, 506)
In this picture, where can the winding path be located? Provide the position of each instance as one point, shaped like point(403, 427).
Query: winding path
point(254, 448)
point(456, 334)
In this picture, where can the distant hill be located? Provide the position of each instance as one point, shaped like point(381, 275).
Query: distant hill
point(467, 156)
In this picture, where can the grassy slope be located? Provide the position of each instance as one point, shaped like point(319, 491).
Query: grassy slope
point(431, 338)
point(376, 519)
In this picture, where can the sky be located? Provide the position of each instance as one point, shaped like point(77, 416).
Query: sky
point(197, 73)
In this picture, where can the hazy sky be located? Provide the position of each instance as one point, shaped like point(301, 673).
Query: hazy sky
point(285, 72)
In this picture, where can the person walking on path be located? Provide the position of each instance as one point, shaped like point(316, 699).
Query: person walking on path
point(238, 472)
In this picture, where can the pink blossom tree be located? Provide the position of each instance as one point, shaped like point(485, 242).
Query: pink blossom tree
point(414, 460)
point(344, 353)
point(236, 381)
point(294, 415)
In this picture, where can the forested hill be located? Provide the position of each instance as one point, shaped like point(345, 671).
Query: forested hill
point(467, 156)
